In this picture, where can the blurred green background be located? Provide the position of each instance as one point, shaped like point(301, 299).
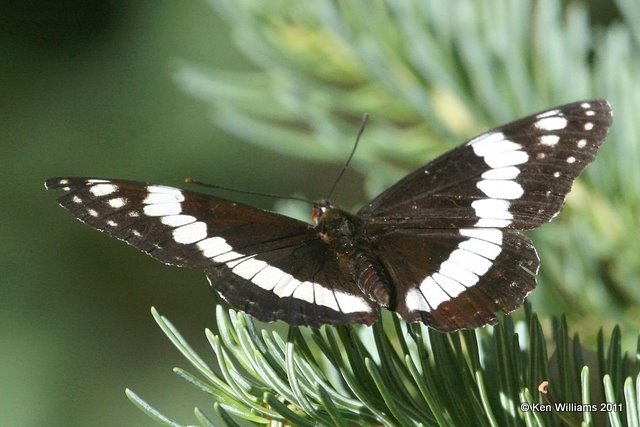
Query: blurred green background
point(89, 88)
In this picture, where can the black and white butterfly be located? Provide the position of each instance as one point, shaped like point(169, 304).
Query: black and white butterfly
point(442, 246)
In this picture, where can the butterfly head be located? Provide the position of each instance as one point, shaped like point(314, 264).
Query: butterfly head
point(320, 209)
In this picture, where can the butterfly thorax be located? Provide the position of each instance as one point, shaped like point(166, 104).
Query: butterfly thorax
point(345, 233)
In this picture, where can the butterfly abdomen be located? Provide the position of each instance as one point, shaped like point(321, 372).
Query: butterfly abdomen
point(371, 277)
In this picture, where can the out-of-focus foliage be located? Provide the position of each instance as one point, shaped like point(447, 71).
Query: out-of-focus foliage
point(432, 74)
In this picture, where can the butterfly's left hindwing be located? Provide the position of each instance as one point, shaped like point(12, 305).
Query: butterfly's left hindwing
point(459, 279)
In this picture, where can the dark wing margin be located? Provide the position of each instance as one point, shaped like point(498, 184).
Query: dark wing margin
point(515, 176)
point(454, 280)
point(269, 265)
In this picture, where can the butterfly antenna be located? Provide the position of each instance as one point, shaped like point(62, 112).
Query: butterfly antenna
point(363, 124)
point(253, 193)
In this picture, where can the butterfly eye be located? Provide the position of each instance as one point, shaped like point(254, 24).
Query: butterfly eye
point(319, 210)
point(316, 213)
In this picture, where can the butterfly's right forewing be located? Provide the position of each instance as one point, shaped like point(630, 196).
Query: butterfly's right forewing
point(269, 265)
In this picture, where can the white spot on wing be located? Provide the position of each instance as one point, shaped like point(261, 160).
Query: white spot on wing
point(190, 233)
point(163, 209)
point(500, 189)
point(588, 126)
point(461, 275)
point(549, 140)
point(177, 220)
point(585, 105)
point(112, 223)
point(282, 282)
point(492, 235)
point(268, 277)
point(326, 297)
point(548, 114)
point(571, 159)
point(249, 268)
point(230, 258)
point(582, 143)
point(470, 261)
point(351, 303)
point(509, 172)
point(213, 246)
point(96, 181)
point(76, 199)
point(304, 292)
point(450, 286)
point(485, 139)
point(481, 247)
point(415, 301)
point(92, 212)
point(489, 146)
point(492, 208)
point(286, 288)
point(433, 292)
point(100, 190)
point(551, 123)
point(509, 158)
point(160, 194)
point(117, 202)
point(284, 285)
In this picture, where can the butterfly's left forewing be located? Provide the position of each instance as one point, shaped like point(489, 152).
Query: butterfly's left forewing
point(269, 265)
point(515, 176)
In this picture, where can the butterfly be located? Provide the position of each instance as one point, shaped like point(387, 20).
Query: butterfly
point(443, 246)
